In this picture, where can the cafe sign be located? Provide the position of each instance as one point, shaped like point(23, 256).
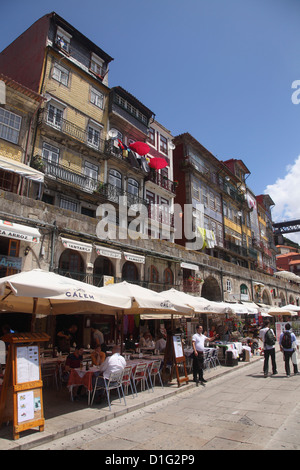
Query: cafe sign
point(10, 262)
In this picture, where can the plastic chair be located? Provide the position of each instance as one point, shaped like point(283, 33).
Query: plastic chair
point(214, 358)
point(139, 375)
point(114, 382)
point(155, 371)
point(126, 379)
point(206, 358)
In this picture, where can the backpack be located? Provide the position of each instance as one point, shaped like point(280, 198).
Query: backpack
point(270, 339)
point(286, 341)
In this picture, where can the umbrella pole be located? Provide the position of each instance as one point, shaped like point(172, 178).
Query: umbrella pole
point(122, 330)
point(33, 317)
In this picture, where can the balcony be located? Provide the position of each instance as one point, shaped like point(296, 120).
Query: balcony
point(112, 194)
point(65, 175)
point(67, 128)
point(159, 214)
point(162, 181)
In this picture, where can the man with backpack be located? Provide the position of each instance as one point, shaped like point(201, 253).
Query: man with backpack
point(268, 338)
point(286, 340)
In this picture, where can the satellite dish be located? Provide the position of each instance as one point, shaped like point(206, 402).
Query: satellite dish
point(171, 146)
point(112, 133)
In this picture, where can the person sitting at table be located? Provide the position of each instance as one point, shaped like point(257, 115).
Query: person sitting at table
point(130, 344)
point(73, 361)
point(143, 340)
point(113, 363)
point(160, 343)
point(98, 356)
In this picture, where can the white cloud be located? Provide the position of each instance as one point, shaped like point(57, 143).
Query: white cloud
point(285, 193)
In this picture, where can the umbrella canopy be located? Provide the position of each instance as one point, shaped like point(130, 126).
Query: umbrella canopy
point(281, 311)
point(293, 308)
point(147, 301)
point(140, 148)
point(158, 163)
point(199, 304)
point(42, 292)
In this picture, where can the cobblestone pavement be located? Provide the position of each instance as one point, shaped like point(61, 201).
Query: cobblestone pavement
point(239, 410)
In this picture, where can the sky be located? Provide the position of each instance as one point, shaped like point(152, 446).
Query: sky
point(226, 71)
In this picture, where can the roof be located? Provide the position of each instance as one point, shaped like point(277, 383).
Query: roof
point(133, 99)
point(21, 88)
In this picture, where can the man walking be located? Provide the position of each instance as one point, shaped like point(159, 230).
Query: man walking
point(286, 340)
point(268, 339)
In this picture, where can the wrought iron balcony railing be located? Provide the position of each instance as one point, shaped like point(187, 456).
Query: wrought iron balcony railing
point(89, 138)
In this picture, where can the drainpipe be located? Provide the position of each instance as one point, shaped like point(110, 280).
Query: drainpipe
point(51, 267)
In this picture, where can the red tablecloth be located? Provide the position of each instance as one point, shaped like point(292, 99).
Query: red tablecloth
point(82, 377)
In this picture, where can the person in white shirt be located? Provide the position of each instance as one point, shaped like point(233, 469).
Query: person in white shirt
point(269, 349)
point(198, 342)
point(112, 363)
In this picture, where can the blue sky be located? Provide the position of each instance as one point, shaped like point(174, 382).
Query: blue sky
point(221, 70)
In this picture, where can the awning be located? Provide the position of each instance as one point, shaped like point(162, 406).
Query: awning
point(134, 258)
point(19, 232)
point(252, 308)
point(108, 252)
point(76, 245)
point(22, 169)
point(193, 267)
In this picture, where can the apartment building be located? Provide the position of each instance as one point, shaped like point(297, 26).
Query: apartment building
point(79, 138)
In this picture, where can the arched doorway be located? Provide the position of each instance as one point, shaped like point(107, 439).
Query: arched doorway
point(266, 298)
point(130, 272)
point(102, 267)
point(211, 289)
point(71, 264)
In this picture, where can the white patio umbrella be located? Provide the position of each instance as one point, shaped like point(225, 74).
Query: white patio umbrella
point(46, 293)
point(148, 301)
point(293, 308)
point(199, 304)
point(281, 311)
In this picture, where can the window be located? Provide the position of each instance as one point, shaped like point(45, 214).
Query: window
point(115, 178)
point(93, 136)
point(63, 39)
point(97, 66)
point(163, 144)
point(97, 98)
point(228, 285)
point(133, 186)
point(55, 116)
point(60, 74)
point(211, 200)
point(91, 170)
point(154, 275)
point(151, 136)
point(10, 125)
point(68, 204)
point(204, 197)
point(50, 153)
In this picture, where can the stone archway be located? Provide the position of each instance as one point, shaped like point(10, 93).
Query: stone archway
point(211, 289)
point(266, 297)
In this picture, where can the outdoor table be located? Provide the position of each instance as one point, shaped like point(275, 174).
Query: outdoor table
point(82, 377)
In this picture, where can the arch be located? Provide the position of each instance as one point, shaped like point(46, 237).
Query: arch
point(292, 300)
point(282, 299)
point(130, 272)
point(211, 289)
point(154, 276)
point(102, 267)
point(266, 297)
point(168, 277)
point(72, 264)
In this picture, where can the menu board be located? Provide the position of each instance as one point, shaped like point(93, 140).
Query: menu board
point(28, 369)
point(177, 346)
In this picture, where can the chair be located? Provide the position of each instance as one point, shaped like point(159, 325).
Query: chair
point(114, 382)
point(155, 371)
point(126, 379)
point(214, 358)
point(49, 371)
point(140, 375)
point(206, 358)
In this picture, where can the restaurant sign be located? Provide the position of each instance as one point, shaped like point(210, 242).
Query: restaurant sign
point(10, 262)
